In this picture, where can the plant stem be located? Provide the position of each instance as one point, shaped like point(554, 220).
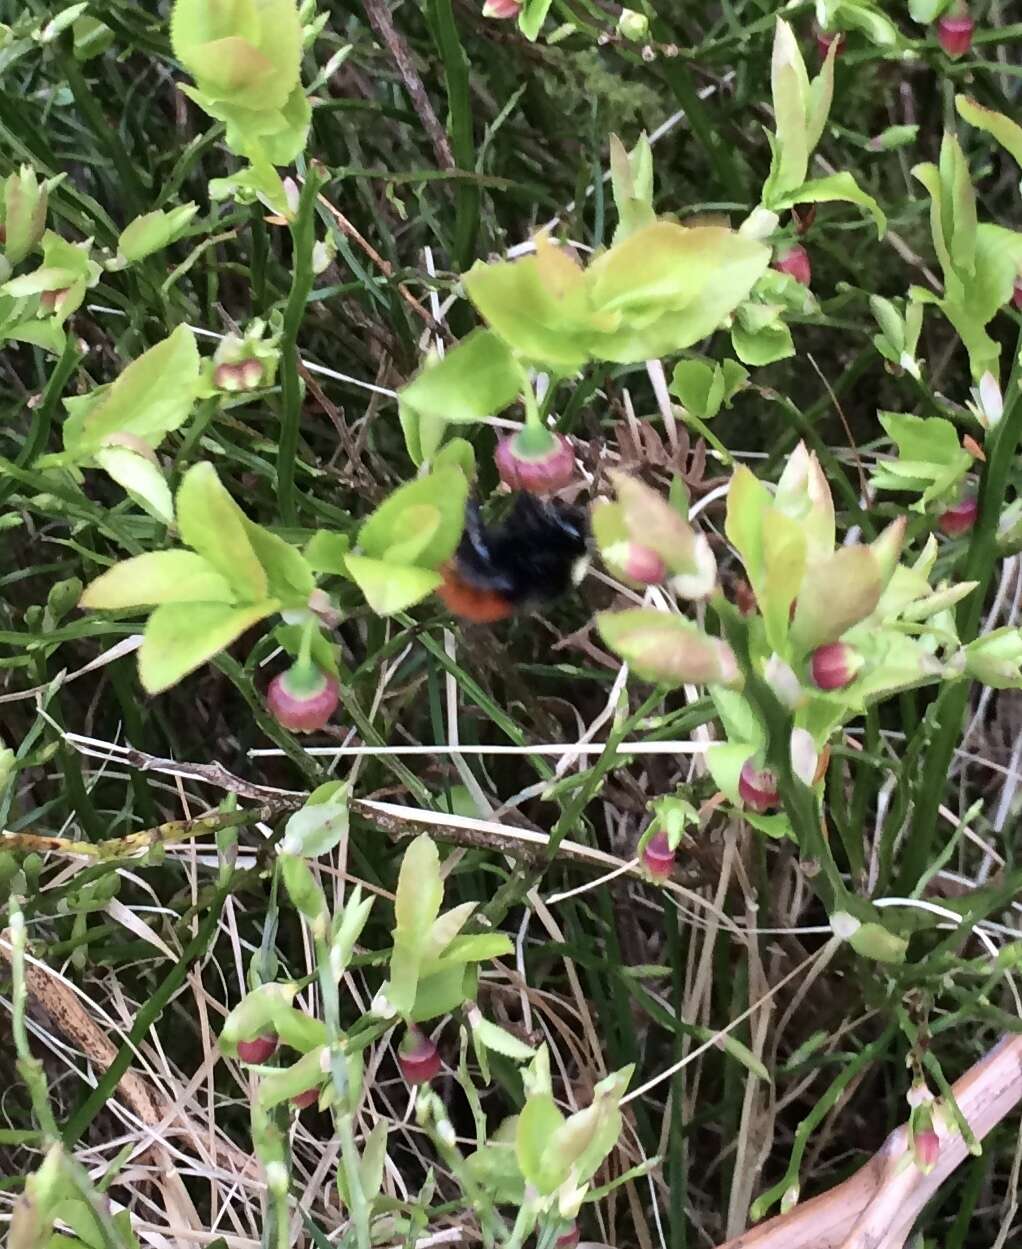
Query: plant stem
point(303, 234)
point(979, 567)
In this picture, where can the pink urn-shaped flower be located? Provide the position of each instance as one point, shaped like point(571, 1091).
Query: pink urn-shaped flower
point(303, 699)
point(535, 460)
point(757, 788)
point(418, 1057)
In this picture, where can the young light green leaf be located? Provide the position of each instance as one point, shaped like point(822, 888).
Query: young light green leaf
point(477, 378)
point(1007, 132)
point(790, 88)
point(158, 577)
point(317, 828)
point(390, 588)
point(446, 491)
point(154, 231)
point(420, 889)
point(244, 52)
point(151, 397)
point(374, 1155)
point(212, 524)
point(181, 637)
point(532, 16)
point(325, 552)
point(141, 478)
point(288, 574)
point(501, 1041)
point(837, 187)
point(539, 1121)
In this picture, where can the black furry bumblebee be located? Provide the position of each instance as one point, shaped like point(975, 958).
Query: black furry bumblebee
point(528, 559)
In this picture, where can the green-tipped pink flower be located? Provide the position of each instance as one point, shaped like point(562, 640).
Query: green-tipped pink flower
point(303, 699)
point(535, 460)
point(644, 540)
point(502, 10)
point(959, 519)
point(244, 375)
point(834, 665)
point(955, 30)
point(757, 788)
point(658, 857)
point(302, 1101)
point(568, 1239)
point(796, 264)
point(418, 1057)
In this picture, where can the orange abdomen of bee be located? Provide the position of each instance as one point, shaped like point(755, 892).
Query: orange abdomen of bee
point(469, 602)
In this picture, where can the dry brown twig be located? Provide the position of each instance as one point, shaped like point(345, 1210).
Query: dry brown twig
point(877, 1207)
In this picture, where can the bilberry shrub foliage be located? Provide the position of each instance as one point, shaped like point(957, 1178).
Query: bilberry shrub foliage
point(840, 612)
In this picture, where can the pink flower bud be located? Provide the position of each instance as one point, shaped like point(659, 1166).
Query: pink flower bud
point(927, 1150)
point(568, 1239)
point(954, 34)
point(258, 1050)
point(251, 372)
point(658, 857)
point(795, 263)
point(958, 519)
point(834, 665)
point(302, 710)
point(502, 10)
point(237, 376)
point(757, 788)
point(642, 564)
point(418, 1057)
point(824, 39)
point(522, 468)
point(1016, 294)
point(50, 301)
point(309, 1098)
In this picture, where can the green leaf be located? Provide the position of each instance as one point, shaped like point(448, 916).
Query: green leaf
point(476, 947)
point(159, 577)
point(244, 51)
point(317, 828)
point(325, 552)
point(446, 491)
point(501, 1041)
point(181, 637)
point(151, 397)
point(837, 187)
point(537, 1123)
point(390, 588)
point(288, 574)
point(212, 524)
point(532, 16)
point(790, 89)
point(926, 439)
point(668, 649)
point(845, 589)
point(153, 232)
point(748, 505)
point(543, 320)
point(762, 346)
point(693, 384)
point(440, 992)
point(374, 1155)
point(1007, 132)
point(821, 95)
point(141, 478)
point(420, 889)
point(475, 379)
